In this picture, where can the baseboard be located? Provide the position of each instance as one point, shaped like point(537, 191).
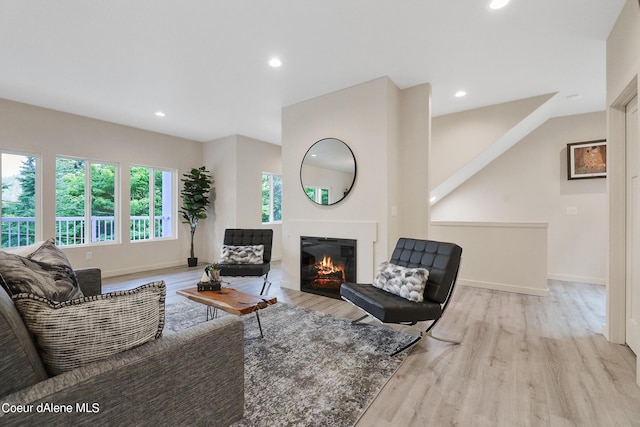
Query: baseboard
point(287, 284)
point(505, 287)
point(141, 269)
point(578, 279)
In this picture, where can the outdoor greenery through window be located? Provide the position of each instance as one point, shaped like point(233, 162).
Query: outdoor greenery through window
point(18, 211)
point(152, 203)
point(85, 201)
point(318, 194)
point(271, 198)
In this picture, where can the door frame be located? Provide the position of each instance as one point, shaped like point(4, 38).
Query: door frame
point(633, 227)
point(615, 327)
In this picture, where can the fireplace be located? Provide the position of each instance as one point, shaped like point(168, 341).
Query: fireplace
point(326, 263)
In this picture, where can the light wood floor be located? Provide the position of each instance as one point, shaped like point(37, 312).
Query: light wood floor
point(523, 361)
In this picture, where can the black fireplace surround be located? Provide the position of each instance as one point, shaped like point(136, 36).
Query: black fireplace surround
point(326, 263)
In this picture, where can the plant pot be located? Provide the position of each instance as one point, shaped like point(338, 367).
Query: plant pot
point(192, 262)
point(215, 275)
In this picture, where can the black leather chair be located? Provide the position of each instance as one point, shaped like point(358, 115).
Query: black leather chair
point(443, 262)
point(244, 237)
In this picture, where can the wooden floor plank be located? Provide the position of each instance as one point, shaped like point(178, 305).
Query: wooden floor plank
point(523, 360)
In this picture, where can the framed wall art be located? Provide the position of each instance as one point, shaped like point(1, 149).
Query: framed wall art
point(587, 159)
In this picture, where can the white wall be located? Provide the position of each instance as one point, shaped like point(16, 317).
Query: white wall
point(623, 51)
point(529, 183)
point(237, 163)
point(503, 256)
point(377, 121)
point(458, 138)
point(49, 133)
point(221, 157)
point(410, 169)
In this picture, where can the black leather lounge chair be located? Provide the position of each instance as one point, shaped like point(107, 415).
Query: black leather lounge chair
point(245, 237)
point(443, 262)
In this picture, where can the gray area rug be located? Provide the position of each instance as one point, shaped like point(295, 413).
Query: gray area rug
point(311, 369)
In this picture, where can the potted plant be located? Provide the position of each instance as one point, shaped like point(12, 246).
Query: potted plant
point(210, 280)
point(195, 200)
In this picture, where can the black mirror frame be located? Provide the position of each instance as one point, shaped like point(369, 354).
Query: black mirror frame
point(353, 181)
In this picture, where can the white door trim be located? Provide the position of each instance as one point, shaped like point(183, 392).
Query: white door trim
point(615, 327)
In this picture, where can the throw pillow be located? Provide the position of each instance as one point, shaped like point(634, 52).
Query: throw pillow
point(24, 250)
point(405, 282)
point(46, 272)
point(74, 333)
point(249, 254)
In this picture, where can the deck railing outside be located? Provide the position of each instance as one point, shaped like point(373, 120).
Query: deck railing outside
point(71, 230)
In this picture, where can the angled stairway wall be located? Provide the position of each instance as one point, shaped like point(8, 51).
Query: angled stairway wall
point(528, 184)
point(468, 141)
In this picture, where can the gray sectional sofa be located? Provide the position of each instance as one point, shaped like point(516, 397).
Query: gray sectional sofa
point(192, 377)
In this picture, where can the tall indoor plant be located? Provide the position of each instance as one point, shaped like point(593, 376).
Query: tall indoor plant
point(195, 200)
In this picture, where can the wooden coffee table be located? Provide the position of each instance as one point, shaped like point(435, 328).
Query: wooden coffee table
point(230, 300)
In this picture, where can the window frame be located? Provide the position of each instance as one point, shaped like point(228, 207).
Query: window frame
point(117, 217)
point(271, 220)
point(318, 192)
point(173, 217)
point(38, 221)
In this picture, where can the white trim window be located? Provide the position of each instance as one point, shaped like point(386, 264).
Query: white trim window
point(86, 201)
point(20, 211)
point(153, 203)
point(271, 198)
point(320, 195)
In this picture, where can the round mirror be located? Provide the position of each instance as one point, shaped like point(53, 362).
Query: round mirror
point(328, 171)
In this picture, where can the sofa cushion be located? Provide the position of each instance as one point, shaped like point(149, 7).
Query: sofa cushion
point(387, 307)
point(77, 332)
point(246, 254)
point(408, 283)
point(21, 365)
point(45, 271)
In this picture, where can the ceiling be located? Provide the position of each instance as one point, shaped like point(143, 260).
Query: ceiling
point(205, 62)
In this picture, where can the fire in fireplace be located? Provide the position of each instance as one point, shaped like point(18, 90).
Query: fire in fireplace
point(326, 263)
point(328, 275)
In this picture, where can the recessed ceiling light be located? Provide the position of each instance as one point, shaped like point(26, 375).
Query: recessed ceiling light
point(160, 114)
point(460, 94)
point(498, 4)
point(275, 62)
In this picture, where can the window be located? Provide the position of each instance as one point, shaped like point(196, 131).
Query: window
point(85, 201)
point(271, 198)
point(18, 213)
point(152, 203)
point(318, 194)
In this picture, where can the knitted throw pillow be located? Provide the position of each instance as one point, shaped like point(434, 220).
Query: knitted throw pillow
point(77, 332)
point(405, 282)
point(249, 254)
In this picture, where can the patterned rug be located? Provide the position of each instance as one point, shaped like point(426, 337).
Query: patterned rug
point(311, 369)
